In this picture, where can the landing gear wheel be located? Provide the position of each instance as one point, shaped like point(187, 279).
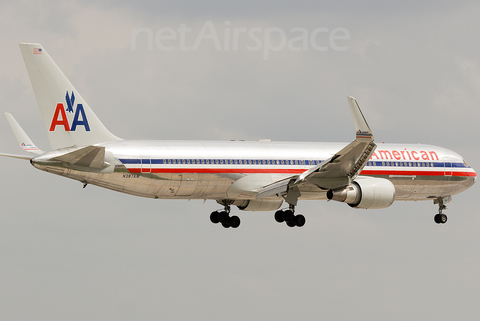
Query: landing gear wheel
point(234, 221)
point(223, 216)
point(288, 216)
point(300, 220)
point(443, 218)
point(292, 223)
point(279, 216)
point(215, 217)
point(225, 224)
point(440, 218)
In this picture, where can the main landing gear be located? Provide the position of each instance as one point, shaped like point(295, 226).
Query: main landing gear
point(440, 218)
point(288, 216)
point(225, 218)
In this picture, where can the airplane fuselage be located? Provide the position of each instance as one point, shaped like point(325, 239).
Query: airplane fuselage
point(207, 169)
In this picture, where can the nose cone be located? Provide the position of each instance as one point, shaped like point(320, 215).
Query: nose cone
point(471, 175)
point(474, 177)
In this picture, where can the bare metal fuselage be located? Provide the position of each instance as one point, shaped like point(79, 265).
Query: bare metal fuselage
point(207, 169)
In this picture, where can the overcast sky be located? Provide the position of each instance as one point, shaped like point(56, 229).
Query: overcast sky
point(68, 253)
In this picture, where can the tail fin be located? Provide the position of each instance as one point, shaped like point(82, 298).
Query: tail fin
point(68, 119)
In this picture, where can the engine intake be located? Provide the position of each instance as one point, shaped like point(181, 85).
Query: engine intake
point(365, 192)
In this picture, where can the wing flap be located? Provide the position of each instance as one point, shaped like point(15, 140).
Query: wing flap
point(278, 187)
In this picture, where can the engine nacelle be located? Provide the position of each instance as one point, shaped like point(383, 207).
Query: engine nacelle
point(258, 205)
point(365, 192)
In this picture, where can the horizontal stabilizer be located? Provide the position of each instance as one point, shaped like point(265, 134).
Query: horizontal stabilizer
point(22, 138)
point(16, 156)
point(90, 156)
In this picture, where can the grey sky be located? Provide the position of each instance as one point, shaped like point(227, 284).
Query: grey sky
point(69, 253)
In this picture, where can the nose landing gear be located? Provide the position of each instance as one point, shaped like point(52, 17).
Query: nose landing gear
point(441, 218)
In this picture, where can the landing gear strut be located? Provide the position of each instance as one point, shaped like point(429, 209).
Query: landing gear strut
point(225, 218)
point(440, 218)
point(288, 216)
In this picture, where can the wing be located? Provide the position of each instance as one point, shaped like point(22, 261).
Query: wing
point(335, 172)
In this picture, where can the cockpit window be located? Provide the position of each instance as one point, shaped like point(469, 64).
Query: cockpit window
point(466, 165)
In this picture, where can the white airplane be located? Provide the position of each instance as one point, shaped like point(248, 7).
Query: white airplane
point(254, 176)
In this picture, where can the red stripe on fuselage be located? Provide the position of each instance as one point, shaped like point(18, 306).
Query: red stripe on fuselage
point(291, 171)
point(219, 170)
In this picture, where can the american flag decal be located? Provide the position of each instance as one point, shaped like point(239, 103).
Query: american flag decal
point(37, 51)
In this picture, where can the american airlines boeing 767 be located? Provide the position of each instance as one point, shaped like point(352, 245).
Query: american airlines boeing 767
point(254, 176)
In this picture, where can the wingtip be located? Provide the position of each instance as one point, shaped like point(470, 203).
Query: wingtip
point(361, 126)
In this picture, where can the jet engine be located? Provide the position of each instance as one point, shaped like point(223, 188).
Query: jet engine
point(365, 192)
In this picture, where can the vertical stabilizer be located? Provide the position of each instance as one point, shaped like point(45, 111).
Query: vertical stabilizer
point(68, 119)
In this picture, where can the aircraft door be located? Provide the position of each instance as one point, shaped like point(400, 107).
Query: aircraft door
point(146, 164)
